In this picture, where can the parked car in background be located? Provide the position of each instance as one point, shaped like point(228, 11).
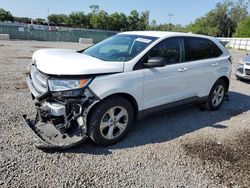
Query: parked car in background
point(99, 92)
point(243, 68)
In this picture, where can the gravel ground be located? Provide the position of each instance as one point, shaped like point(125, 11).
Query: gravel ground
point(184, 148)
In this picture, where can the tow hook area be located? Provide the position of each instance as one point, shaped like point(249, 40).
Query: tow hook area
point(49, 137)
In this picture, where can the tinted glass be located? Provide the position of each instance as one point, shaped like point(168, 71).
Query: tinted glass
point(199, 48)
point(120, 47)
point(170, 49)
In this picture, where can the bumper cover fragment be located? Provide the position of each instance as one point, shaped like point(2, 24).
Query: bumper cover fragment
point(48, 137)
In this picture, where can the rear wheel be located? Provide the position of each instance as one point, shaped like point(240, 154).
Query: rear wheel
point(216, 95)
point(110, 121)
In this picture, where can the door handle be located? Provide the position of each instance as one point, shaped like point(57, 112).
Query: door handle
point(182, 69)
point(215, 64)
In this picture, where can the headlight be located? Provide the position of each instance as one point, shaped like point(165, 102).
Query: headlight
point(241, 62)
point(65, 85)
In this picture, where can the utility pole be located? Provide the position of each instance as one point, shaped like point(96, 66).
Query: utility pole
point(48, 16)
point(170, 16)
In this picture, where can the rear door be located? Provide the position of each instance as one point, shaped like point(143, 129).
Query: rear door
point(201, 55)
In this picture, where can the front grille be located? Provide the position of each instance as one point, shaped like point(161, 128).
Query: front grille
point(39, 81)
point(247, 71)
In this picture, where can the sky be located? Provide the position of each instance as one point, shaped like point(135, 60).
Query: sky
point(184, 11)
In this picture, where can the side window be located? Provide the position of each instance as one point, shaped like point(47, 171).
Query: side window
point(216, 51)
point(200, 48)
point(170, 49)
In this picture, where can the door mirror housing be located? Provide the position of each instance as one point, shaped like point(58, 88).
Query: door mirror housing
point(155, 62)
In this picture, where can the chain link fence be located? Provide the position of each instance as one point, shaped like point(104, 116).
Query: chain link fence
point(236, 43)
point(67, 35)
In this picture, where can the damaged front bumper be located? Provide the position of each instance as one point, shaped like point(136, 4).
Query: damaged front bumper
point(59, 126)
point(49, 137)
point(61, 119)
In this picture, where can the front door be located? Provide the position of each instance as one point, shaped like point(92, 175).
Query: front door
point(171, 83)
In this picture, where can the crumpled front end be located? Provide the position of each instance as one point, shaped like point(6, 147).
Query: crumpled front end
point(61, 115)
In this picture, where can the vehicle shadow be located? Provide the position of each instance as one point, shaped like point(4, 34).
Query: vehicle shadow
point(244, 81)
point(171, 125)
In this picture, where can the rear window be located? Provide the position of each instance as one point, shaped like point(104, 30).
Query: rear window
point(200, 48)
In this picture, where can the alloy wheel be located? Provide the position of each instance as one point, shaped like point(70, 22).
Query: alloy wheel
point(114, 122)
point(218, 95)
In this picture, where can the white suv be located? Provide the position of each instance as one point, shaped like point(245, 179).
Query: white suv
point(99, 92)
point(243, 68)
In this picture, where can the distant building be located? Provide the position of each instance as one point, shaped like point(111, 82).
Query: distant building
point(38, 27)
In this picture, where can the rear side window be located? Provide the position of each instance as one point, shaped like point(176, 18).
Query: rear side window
point(170, 49)
point(200, 48)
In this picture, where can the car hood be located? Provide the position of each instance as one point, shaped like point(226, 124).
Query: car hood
point(70, 62)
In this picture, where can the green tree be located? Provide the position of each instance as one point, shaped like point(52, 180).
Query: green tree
point(243, 28)
point(22, 20)
point(152, 25)
point(133, 21)
point(237, 14)
point(100, 20)
point(78, 20)
point(39, 21)
point(5, 15)
point(94, 9)
point(203, 25)
point(222, 20)
point(58, 19)
point(178, 28)
point(118, 22)
point(144, 20)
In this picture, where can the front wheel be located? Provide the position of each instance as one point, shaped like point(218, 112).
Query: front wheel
point(238, 78)
point(216, 95)
point(110, 121)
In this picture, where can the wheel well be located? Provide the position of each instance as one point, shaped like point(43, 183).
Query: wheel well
point(226, 80)
point(128, 97)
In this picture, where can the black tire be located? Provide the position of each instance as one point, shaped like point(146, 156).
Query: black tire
point(238, 78)
point(97, 115)
point(209, 105)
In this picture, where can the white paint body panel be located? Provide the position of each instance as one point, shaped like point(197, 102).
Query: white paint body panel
point(69, 62)
point(127, 82)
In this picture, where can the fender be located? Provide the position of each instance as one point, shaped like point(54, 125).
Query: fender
point(126, 82)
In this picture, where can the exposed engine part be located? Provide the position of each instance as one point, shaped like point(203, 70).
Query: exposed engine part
point(56, 109)
point(61, 124)
point(71, 117)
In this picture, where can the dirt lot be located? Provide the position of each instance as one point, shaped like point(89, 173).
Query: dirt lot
point(184, 148)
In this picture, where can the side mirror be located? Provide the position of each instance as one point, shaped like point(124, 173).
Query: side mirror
point(155, 62)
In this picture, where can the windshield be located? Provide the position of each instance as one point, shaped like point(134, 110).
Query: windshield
point(120, 47)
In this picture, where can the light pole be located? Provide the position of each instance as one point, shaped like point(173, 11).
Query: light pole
point(170, 16)
point(48, 16)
